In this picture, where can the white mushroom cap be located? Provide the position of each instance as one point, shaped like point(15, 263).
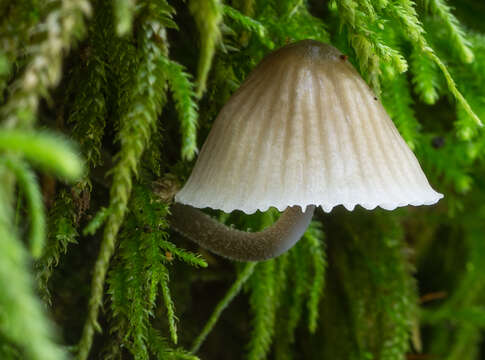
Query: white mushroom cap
point(305, 129)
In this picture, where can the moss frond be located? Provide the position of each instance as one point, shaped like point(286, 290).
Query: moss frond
point(61, 232)
point(29, 188)
point(208, 17)
point(383, 326)
point(246, 22)
point(182, 90)
point(49, 152)
point(61, 25)
point(89, 89)
point(405, 14)
point(263, 301)
point(426, 79)
point(315, 246)
point(97, 221)
point(457, 35)
point(136, 126)
point(22, 316)
point(364, 35)
point(141, 273)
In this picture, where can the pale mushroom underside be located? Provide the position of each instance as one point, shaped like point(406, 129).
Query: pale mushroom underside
point(305, 129)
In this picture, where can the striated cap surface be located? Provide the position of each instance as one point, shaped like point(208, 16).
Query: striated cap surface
point(305, 129)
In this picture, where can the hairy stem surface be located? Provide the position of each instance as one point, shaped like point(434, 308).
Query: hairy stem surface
point(240, 245)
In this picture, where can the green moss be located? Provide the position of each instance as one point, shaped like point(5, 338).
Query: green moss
point(116, 78)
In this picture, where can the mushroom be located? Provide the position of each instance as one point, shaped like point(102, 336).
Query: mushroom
point(303, 130)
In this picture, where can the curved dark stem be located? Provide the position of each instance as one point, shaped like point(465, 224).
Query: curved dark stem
point(240, 245)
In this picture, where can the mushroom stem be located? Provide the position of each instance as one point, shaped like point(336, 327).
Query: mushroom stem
point(240, 245)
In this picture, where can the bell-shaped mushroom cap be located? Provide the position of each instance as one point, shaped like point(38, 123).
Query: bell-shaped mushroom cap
point(305, 129)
